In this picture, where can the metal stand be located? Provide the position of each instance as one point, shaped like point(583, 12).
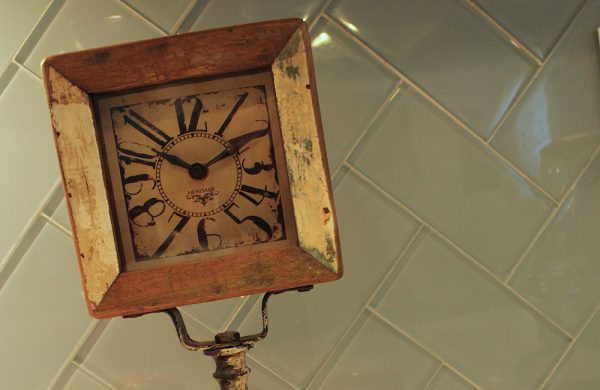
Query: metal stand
point(229, 348)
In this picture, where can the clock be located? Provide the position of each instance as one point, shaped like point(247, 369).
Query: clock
point(193, 170)
point(194, 167)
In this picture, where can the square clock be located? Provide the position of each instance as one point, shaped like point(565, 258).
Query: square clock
point(194, 167)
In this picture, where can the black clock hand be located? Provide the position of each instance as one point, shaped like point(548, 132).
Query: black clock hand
point(236, 144)
point(173, 159)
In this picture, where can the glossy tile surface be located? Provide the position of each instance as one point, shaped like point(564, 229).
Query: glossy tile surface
point(82, 381)
point(43, 313)
point(261, 379)
point(445, 48)
point(164, 16)
point(412, 155)
point(83, 24)
point(214, 315)
point(536, 23)
point(380, 358)
point(144, 353)
point(470, 320)
point(61, 215)
point(447, 380)
point(373, 233)
point(579, 370)
point(28, 164)
point(561, 274)
point(229, 12)
point(446, 176)
point(351, 89)
point(552, 133)
point(17, 19)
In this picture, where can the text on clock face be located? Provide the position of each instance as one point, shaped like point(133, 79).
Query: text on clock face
point(198, 172)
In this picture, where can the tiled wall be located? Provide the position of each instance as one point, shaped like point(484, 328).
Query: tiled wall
point(463, 139)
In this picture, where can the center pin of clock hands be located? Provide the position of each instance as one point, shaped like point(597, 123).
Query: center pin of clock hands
point(199, 171)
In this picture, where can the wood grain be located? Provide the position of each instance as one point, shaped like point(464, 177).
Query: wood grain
point(281, 46)
point(199, 54)
point(219, 278)
point(79, 156)
point(307, 166)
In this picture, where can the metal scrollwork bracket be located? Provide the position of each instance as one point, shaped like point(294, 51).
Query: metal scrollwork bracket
point(228, 348)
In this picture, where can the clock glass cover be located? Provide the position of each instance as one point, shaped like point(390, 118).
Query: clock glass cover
point(194, 169)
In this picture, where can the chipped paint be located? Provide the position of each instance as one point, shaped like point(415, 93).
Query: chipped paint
point(306, 171)
point(80, 160)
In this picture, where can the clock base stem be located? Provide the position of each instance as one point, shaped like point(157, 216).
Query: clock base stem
point(232, 372)
point(229, 348)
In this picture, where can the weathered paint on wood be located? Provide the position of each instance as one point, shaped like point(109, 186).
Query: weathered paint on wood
point(305, 151)
point(284, 47)
point(179, 57)
point(84, 185)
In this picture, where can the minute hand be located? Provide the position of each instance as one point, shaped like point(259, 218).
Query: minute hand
point(236, 144)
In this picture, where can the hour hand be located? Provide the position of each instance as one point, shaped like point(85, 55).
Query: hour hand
point(173, 159)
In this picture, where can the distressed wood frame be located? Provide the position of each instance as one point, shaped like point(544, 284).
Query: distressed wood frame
point(72, 80)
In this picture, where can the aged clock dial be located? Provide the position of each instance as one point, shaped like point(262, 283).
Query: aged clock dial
point(193, 168)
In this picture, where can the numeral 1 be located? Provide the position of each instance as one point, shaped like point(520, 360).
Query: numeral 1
point(193, 124)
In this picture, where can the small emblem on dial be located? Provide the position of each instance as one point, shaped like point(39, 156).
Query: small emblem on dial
point(186, 174)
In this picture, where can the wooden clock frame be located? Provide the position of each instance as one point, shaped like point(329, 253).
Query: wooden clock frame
point(73, 80)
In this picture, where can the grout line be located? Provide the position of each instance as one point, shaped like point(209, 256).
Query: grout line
point(74, 351)
point(536, 74)
point(394, 91)
point(6, 75)
point(144, 17)
point(13, 257)
point(273, 373)
point(93, 375)
point(341, 340)
point(236, 312)
point(206, 329)
point(569, 347)
point(439, 106)
point(37, 31)
point(196, 321)
point(552, 215)
point(464, 253)
point(434, 376)
point(26, 69)
point(381, 317)
point(318, 15)
point(513, 40)
point(182, 17)
point(244, 312)
point(191, 16)
point(57, 225)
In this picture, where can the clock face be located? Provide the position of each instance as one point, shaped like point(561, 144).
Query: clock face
point(194, 169)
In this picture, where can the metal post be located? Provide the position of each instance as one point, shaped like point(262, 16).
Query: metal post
point(229, 348)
